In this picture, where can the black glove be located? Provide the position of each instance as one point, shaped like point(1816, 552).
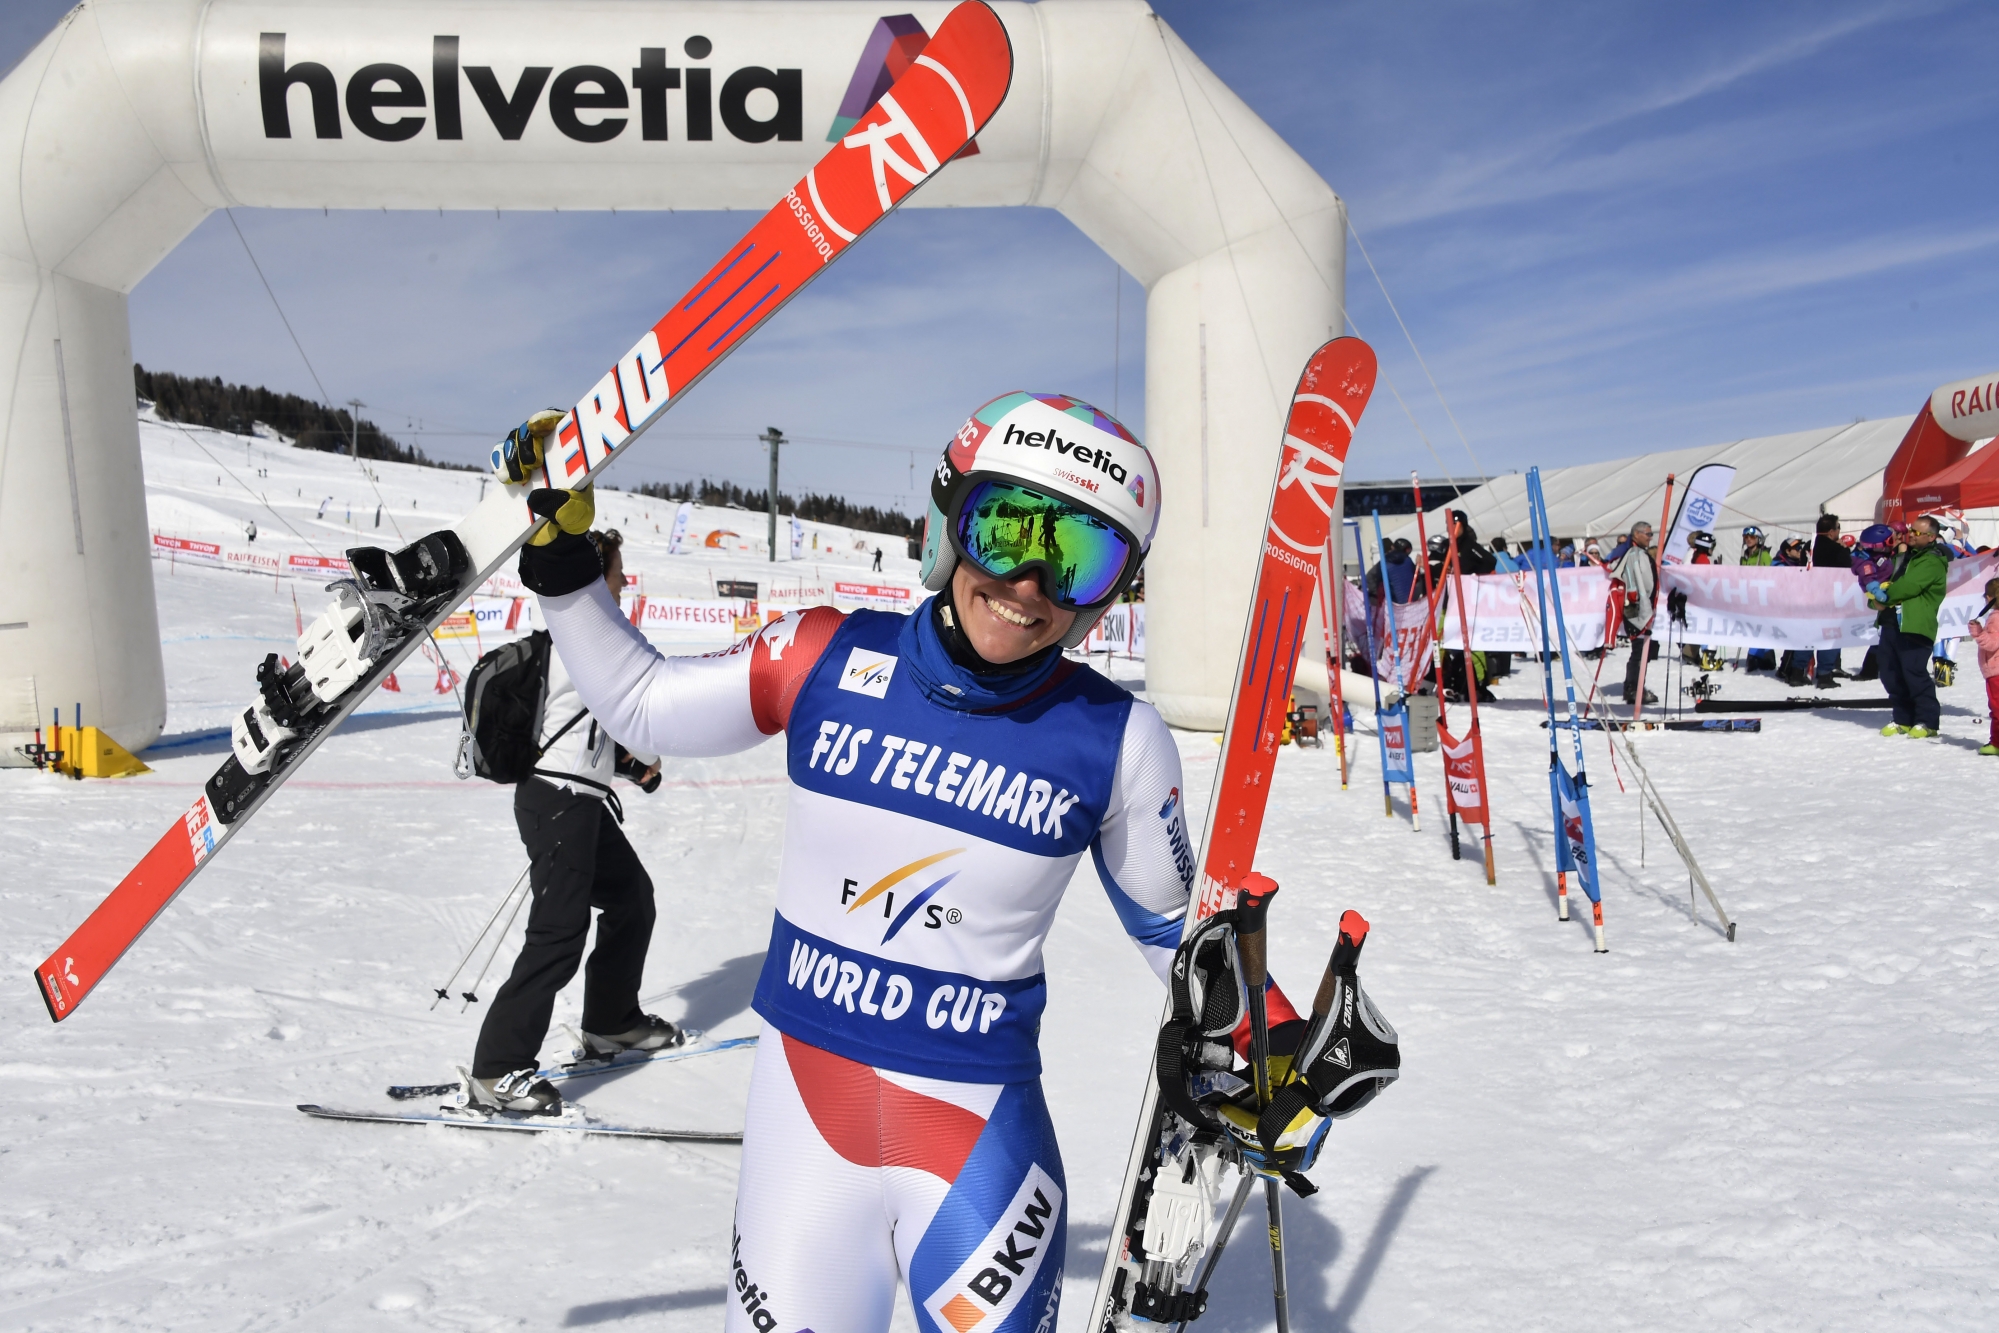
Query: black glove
point(631, 769)
point(558, 559)
point(1676, 607)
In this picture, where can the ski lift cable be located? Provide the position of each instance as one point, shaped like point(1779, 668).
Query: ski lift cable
point(277, 305)
point(1214, 197)
point(268, 507)
point(1311, 261)
point(1483, 475)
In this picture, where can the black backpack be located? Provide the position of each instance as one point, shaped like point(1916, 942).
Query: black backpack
point(504, 697)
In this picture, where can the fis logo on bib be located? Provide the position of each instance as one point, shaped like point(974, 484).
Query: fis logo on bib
point(999, 1273)
point(884, 889)
point(868, 673)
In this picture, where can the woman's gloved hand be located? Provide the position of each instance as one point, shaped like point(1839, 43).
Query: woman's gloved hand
point(526, 446)
point(558, 558)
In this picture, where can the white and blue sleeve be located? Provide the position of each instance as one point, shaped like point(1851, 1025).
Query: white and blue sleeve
point(1142, 852)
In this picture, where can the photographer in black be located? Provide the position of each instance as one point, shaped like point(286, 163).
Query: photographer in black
point(569, 820)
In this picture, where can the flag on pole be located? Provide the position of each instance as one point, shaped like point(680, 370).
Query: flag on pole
point(1396, 766)
point(1464, 774)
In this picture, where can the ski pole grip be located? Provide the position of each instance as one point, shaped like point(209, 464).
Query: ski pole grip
point(1346, 953)
point(1253, 897)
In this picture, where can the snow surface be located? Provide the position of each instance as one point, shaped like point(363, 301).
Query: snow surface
point(1794, 1131)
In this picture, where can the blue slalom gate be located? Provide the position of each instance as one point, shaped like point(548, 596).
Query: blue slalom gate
point(1391, 724)
point(1568, 781)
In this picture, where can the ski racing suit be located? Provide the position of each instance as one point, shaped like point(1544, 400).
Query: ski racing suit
point(896, 1126)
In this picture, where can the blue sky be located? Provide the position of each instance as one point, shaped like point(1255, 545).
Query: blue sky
point(1610, 228)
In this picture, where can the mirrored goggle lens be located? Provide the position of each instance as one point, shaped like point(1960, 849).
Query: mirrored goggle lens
point(1003, 529)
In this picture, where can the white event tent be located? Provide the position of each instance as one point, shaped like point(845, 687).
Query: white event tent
point(1782, 484)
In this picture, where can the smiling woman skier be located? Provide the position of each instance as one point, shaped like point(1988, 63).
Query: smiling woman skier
point(948, 770)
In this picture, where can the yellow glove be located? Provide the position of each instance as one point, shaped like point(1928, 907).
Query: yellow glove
point(516, 457)
point(570, 512)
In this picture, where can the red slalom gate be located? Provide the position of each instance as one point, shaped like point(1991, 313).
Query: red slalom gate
point(1475, 761)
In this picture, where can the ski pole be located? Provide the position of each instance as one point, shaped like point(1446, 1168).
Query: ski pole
point(1644, 648)
point(1253, 908)
point(1332, 590)
point(472, 995)
point(1544, 547)
point(1253, 911)
point(1274, 1200)
point(444, 991)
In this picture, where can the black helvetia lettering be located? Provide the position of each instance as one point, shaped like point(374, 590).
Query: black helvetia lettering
point(274, 81)
point(699, 110)
point(1080, 453)
point(577, 99)
point(365, 96)
point(444, 87)
point(508, 114)
point(566, 97)
point(787, 124)
point(652, 78)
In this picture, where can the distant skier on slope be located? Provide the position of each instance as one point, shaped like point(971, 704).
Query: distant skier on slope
point(948, 770)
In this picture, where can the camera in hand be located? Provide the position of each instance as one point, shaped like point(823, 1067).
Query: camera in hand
point(628, 767)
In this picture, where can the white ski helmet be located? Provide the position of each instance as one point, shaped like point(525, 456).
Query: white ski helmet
point(1047, 446)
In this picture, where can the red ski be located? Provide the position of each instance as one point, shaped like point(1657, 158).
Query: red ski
point(1304, 505)
point(923, 121)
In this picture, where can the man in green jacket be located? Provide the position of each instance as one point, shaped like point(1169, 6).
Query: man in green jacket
point(1915, 592)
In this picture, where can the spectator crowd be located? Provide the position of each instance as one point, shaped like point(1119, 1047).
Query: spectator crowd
point(1902, 567)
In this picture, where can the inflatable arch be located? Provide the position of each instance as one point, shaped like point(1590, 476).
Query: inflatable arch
point(134, 119)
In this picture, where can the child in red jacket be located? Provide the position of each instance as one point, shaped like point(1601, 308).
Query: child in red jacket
point(1985, 633)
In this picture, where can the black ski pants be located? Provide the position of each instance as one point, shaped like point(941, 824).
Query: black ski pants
point(1634, 666)
point(1904, 660)
point(577, 859)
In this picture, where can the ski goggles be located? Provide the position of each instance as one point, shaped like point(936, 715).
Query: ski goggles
point(1008, 530)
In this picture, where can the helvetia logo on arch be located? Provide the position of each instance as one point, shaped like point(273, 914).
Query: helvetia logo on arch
point(390, 102)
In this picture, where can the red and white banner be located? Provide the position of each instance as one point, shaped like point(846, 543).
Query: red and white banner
point(1463, 773)
point(1778, 607)
point(1728, 606)
point(314, 564)
point(182, 546)
point(706, 617)
point(1503, 610)
point(1403, 657)
point(875, 596)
